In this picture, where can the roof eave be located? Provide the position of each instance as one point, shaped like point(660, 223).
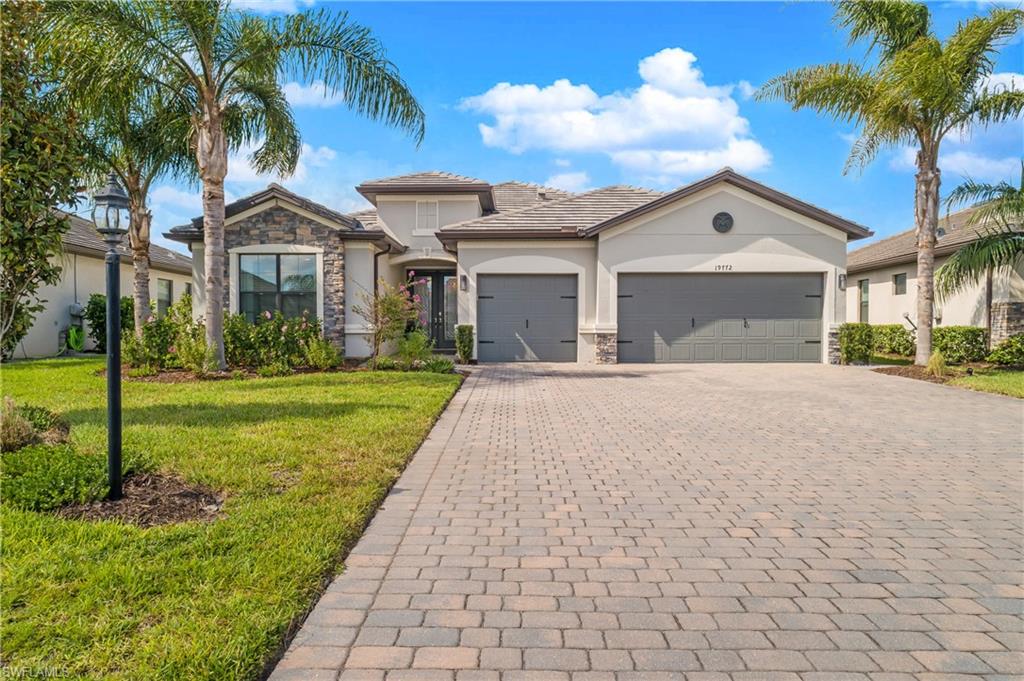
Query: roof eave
point(482, 192)
point(852, 229)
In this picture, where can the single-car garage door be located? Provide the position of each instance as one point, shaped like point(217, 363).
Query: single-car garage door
point(526, 317)
point(720, 317)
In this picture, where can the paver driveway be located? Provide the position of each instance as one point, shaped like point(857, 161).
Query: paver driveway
point(690, 522)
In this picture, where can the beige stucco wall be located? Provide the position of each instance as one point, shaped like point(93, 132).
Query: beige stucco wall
point(82, 276)
point(399, 214)
point(679, 238)
point(538, 256)
point(966, 308)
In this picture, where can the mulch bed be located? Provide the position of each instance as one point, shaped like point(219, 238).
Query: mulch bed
point(151, 499)
point(913, 371)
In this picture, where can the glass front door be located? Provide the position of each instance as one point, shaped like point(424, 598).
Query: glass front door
point(439, 303)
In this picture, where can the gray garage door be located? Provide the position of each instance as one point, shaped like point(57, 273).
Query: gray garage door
point(526, 317)
point(720, 317)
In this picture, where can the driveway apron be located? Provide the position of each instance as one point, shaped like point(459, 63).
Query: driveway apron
point(692, 523)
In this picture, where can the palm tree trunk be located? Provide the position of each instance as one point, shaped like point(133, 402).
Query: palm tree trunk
point(926, 221)
point(138, 239)
point(212, 155)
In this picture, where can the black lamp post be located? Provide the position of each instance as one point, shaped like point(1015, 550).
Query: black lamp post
point(110, 214)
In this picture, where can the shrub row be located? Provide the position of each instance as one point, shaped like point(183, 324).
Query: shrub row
point(960, 344)
point(894, 339)
point(1010, 352)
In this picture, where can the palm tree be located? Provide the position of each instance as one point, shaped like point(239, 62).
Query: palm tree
point(120, 135)
point(919, 90)
point(225, 68)
point(999, 213)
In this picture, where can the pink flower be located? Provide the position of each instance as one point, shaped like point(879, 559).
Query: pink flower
point(412, 273)
point(150, 319)
point(284, 329)
point(416, 299)
point(266, 313)
point(171, 350)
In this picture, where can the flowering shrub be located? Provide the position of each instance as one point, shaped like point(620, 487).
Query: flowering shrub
point(414, 349)
point(390, 310)
point(272, 340)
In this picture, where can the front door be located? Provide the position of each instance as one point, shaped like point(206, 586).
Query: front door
point(439, 300)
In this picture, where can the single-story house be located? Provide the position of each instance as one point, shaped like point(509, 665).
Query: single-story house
point(83, 274)
point(724, 269)
point(883, 284)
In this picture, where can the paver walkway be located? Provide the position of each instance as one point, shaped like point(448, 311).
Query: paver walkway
point(697, 523)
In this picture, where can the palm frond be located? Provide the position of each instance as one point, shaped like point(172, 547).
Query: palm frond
point(890, 25)
point(970, 52)
point(993, 251)
point(842, 91)
point(259, 113)
point(318, 44)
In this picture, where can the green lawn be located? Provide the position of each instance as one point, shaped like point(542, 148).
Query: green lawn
point(1003, 381)
point(303, 461)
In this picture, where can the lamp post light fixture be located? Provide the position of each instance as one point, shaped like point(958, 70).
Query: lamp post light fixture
point(110, 215)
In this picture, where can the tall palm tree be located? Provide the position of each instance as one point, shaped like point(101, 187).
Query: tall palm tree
point(225, 68)
point(918, 90)
point(999, 215)
point(120, 136)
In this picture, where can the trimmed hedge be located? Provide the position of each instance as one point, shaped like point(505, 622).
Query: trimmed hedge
point(894, 339)
point(960, 344)
point(1010, 352)
point(855, 343)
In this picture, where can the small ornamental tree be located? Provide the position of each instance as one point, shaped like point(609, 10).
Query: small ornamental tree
point(389, 311)
point(40, 163)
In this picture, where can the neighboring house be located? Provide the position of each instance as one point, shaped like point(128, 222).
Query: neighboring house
point(83, 274)
point(724, 269)
point(882, 284)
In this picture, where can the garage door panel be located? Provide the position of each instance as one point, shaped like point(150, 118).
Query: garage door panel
point(526, 318)
point(732, 318)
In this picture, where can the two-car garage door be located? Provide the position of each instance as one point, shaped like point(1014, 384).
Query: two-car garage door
point(719, 317)
point(661, 317)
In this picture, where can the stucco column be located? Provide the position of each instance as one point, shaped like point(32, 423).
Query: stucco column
point(606, 319)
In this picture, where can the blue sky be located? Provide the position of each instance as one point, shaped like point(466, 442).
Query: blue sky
point(584, 95)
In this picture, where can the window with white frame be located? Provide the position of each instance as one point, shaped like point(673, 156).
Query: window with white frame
point(426, 215)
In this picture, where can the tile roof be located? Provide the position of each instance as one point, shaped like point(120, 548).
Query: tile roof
point(516, 195)
point(902, 247)
point(561, 217)
point(428, 182)
point(83, 238)
point(346, 223)
point(729, 176)
point(425, 178)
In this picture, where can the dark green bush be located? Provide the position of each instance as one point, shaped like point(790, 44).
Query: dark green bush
point(23, 425)
point(855, 343)
point(1010, 352)
point(319, 353)
point(96, 314)
point(43, 477)
point(239, 347)
point(894, 339)
point(960, 344)
point(464, 342)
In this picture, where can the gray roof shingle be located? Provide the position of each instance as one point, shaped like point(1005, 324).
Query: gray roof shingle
point(428, 182)
point(510, 196)
point(902, 247)
point(561, 217)
point(83, 238)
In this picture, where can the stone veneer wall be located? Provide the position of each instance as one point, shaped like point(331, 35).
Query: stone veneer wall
point(833, 345)
point(607, 348)
point(1007, 320)
point(281, 226)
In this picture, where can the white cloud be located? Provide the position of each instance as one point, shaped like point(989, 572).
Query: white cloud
point(241, 170)
point(963, 163)
point(746, 89)
point(314, 95)
point(673, 116)
point(1006, 79)
point(563, 162)
point(741, 155)
point(271, 6)
point(170, 196)
point(571, 182)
